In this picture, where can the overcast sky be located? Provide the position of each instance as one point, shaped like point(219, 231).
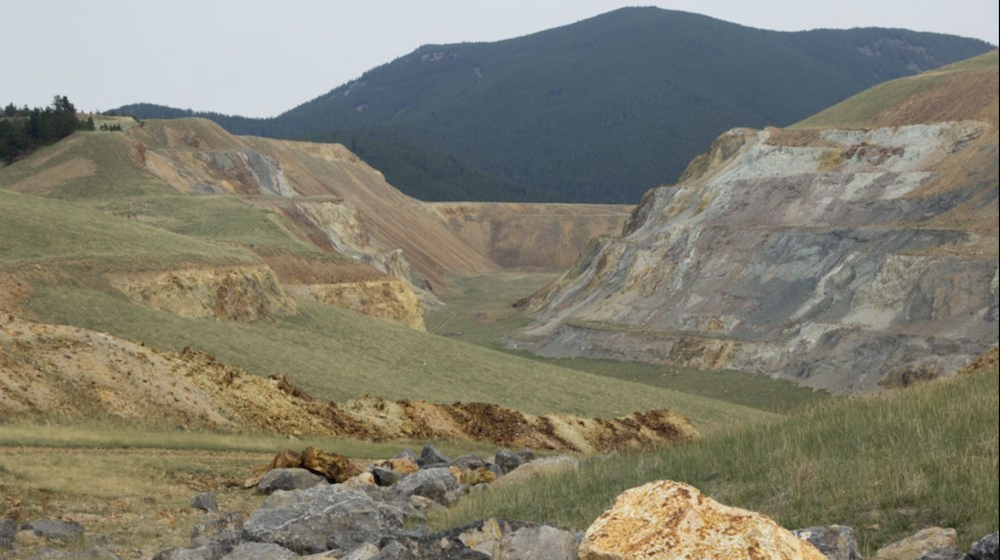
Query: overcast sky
point(262, 57)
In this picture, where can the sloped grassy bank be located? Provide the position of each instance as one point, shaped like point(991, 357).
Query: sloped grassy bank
point(888, 465)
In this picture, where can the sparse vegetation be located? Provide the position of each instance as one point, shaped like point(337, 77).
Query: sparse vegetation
point(888, 465)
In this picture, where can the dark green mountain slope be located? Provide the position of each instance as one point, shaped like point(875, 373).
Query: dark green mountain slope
point(598, 111)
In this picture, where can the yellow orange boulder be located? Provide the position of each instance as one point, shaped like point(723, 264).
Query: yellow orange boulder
point(668, 520)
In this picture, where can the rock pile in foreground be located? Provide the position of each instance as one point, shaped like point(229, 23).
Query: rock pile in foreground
point(367, 517)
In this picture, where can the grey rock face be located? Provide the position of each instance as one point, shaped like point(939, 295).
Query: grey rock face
point(835, 542)
point(320, 519)
point(288, 480)
point(432, 458)
point(96, 553)
point(987, 549)
point(260, 551)
point(436, 484)
point(60, 531)
point(206, 501)
point(790, 260)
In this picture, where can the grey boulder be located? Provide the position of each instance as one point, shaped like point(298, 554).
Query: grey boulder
point(432, 458)
point(288, 480)
point(986, 549)
point(322, 518)
point(260, 551)
point(835, 542)
point(8, 531)
point(438, 485)
point(61, 531)
point(206, 501)
point(540, 543)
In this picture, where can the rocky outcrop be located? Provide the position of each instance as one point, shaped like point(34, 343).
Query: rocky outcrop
point(390, 299)
point(928, 541)
point(832, 258)
point(234, 294)
point(671, 520)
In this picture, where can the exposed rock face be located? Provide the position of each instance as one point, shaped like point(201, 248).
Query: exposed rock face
point(390, 299)
point(236, 294)
point(832, 258)
point(670, 520)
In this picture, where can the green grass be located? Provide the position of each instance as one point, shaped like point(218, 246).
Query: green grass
point(860, 110)
point(121, 435)
point(36, 229)
point(479, 309)
point(887, 465)
point(338, 355)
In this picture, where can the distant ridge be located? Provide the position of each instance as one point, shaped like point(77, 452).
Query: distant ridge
point(597, 111)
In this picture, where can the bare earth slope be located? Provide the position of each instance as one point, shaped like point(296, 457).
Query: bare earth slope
point(66, 374)
point(831, 256)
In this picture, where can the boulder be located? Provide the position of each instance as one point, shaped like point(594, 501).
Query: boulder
point(539, 543)
point(60, 531)
point(432, 458)
point(548, 466)
point(227, 531)
point(508, 460)
point(322, 518)
point(362, 481)
point(288, 480)
point(986, 549)
point(919, 545)
point(8, 531)
point(480, 476)
point(436, 484)
point(945, 554)
point(287, 459)
point(336, 468)
point(469, 463)
point(208, 552)
point(672, 520)
point(386, 477)
point(404, 466)
point(206, 502)
point(835, 542)
point(260, 551)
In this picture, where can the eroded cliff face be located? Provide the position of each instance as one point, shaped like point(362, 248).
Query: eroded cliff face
point(389, 299)
point(830, 257)
point(234, 294)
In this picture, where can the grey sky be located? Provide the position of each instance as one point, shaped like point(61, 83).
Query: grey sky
point(262, 57)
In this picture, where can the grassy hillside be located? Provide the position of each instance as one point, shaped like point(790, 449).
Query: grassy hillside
point(597, 111)
point(40, 230)
point(888, 465)
point(337, 355)
point(879, 105)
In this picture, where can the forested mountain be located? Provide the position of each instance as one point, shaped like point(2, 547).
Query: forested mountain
point(598, 111)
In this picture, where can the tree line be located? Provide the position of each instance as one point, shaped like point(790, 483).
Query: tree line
point(24, 130)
